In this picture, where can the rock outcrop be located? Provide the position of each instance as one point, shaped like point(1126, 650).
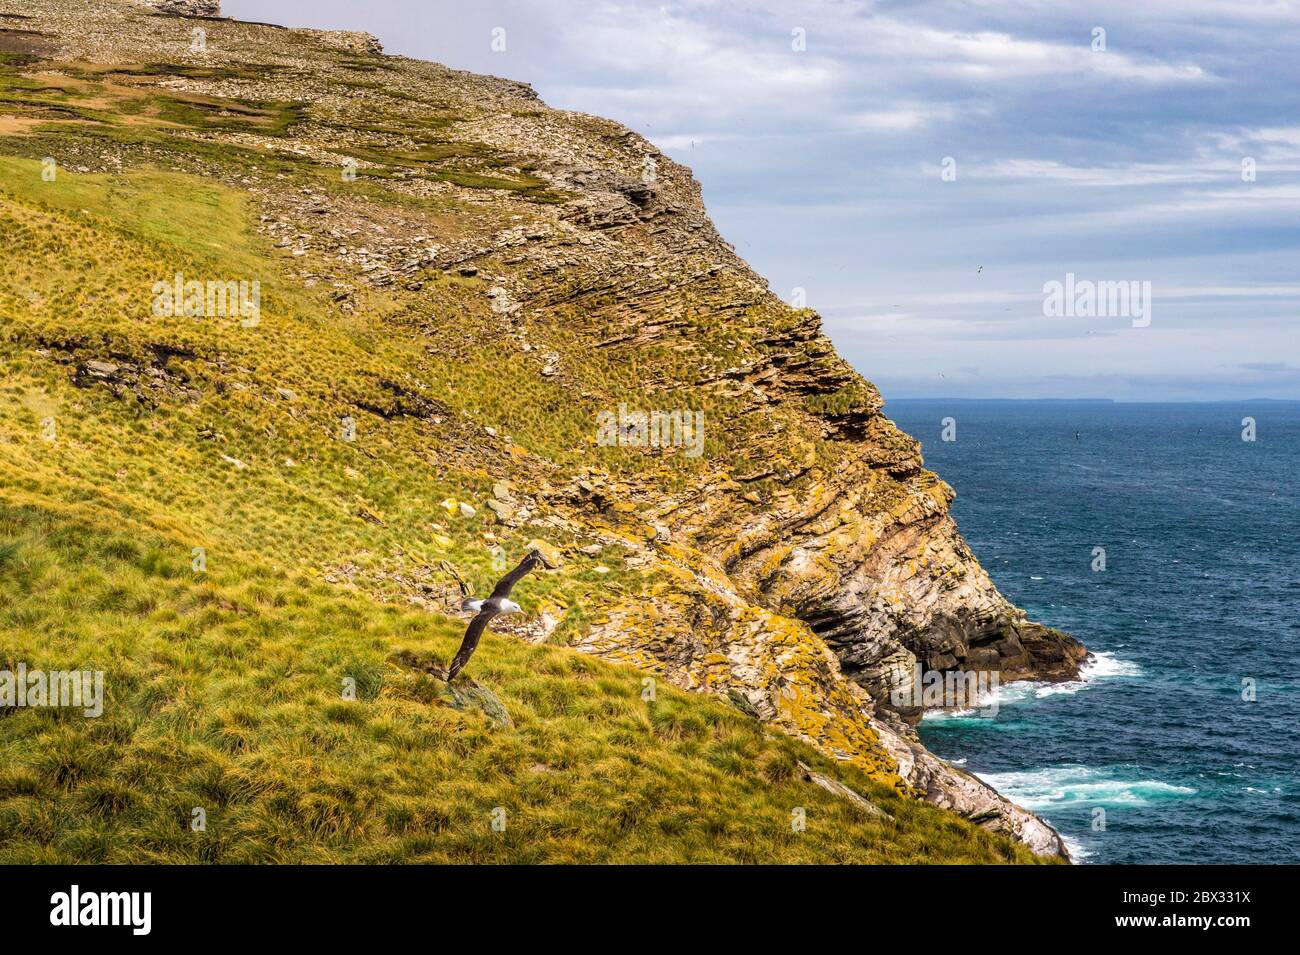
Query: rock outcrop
point(353, 41)
point(187, 8)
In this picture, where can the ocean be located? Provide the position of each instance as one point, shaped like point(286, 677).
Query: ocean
point(1180, 744)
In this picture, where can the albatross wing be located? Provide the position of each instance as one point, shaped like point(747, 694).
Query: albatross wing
point(467, 646)
point(507, 583)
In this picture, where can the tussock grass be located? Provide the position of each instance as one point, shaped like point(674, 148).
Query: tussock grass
point(224, 693)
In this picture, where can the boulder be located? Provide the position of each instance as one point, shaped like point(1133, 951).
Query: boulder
point(187, 8)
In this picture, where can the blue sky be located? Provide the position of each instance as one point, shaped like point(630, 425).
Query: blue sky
point(823, 166)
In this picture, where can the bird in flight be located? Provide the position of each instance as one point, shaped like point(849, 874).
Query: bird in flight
point(498, 602)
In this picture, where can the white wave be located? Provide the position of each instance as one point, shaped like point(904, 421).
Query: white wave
point(1105, 664)
point(1099, 666)
point(1052, 787)
point(1079, 853)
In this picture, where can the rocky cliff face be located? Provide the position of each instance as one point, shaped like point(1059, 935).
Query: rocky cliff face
point(801, 566)
point(186, 8)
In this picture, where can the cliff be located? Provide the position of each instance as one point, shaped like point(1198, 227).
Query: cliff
point(472, 282)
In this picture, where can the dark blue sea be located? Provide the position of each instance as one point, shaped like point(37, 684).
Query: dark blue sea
point(1200, 595)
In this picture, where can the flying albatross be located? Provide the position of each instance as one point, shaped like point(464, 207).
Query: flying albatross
point(484, 610)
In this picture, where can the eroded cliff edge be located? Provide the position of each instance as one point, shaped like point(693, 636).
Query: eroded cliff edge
point(800, 566)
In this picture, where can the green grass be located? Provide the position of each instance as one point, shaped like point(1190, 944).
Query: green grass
point(223, 693)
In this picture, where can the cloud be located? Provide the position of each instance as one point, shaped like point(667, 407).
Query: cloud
point(890, 120)
point(1132, 174)
point(1268, 366)
point(997, 56)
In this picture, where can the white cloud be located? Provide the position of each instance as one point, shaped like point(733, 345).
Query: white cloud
point(891, 120)
point(1136, 174)
point(995, 56)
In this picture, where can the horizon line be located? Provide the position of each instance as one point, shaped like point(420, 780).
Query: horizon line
point(1110, 401)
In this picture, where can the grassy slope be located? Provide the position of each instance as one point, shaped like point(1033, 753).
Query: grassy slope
point(223, 693)
point(224, 687)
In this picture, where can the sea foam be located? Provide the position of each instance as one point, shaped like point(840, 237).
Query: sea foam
point(1056, 786)
point(1101, 665)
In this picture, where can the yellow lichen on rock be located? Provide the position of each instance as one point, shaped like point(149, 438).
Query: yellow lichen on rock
point(699, 634)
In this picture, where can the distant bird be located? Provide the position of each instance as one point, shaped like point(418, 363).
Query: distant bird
point(980, 269)
point(485, 610)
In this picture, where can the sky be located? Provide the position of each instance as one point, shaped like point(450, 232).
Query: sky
point(922, 171)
